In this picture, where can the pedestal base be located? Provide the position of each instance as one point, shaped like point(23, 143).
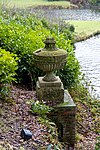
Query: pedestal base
point(50, 92)
point(64, 111)
point(64, 117)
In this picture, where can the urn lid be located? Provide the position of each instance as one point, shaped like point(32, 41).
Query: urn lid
point(50, 49)
point(50, 44)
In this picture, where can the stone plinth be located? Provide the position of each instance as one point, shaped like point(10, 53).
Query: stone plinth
point(50, 92)
point(64, 117)
point(50, 89)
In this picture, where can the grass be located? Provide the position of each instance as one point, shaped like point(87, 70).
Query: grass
point(85, 29)
point(34, 3)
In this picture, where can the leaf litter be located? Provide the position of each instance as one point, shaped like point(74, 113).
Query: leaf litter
point(14, 117)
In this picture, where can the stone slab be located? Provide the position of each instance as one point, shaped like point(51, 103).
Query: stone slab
point(51, 95)
point(43, 83)
point(68, 101)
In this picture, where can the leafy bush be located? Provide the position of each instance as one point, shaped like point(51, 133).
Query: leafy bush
point(24, 34)
point(22, 41)
point(70, 74)
point(40, 108)
point(8, 65)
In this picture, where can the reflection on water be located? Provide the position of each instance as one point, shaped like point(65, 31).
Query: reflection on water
point(88, 54)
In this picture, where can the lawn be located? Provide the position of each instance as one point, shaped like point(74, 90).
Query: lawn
point(27, 3)
point(85, 28)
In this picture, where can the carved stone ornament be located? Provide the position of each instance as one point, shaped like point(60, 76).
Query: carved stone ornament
point(50, 59)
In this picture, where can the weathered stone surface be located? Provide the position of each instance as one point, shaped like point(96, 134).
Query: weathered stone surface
point(50, 59)
point(64, 117)
point(56, 83)
point(50, 89)
point(51, 92)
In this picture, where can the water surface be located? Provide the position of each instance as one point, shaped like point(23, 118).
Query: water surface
point(88, 54)
point(70, 14)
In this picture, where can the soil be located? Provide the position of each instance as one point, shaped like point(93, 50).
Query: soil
point(16, 115)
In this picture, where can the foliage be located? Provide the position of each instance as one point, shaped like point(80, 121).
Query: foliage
point(97, 145)
point(95, 2)
point(87, 107)
point(8, 66)
point(55, 147)
point(70, 73)
point(18, 37)
point(53, 134)
point(40, 108)
point(24, 34)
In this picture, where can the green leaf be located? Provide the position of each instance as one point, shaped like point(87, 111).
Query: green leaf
point(49, 147)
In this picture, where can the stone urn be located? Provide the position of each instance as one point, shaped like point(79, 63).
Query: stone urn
point(50, 59)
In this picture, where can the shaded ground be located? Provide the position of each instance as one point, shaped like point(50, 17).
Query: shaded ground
point(17, 116)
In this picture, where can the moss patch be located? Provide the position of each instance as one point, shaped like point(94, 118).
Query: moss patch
point(51, 53)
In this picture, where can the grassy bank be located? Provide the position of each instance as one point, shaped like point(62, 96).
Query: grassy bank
point(35, 3)
point(85, 29)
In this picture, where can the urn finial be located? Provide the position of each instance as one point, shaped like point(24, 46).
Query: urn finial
point(50, 44)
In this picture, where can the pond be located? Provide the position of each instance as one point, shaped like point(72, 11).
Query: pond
point(88, 54)
point(69, 14)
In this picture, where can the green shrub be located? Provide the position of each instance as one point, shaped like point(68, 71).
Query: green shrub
point(23, 41)
point(24, 34)
point(8, 65)
point(71, 71)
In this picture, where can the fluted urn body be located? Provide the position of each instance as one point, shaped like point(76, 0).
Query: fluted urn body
point(50, 59)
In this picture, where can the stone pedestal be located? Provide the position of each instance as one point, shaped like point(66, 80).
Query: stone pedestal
point(64, 111)
point(50, 92)
point(50, 89)
point(64, 117)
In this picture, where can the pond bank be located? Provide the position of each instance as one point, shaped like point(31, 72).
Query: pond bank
point(52, 6)
point(83, 38)
point(84, 29)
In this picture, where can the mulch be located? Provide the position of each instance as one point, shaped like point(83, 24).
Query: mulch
point(14, 117)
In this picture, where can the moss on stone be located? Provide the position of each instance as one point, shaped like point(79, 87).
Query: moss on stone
point(51, 53)
point(63, 104)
